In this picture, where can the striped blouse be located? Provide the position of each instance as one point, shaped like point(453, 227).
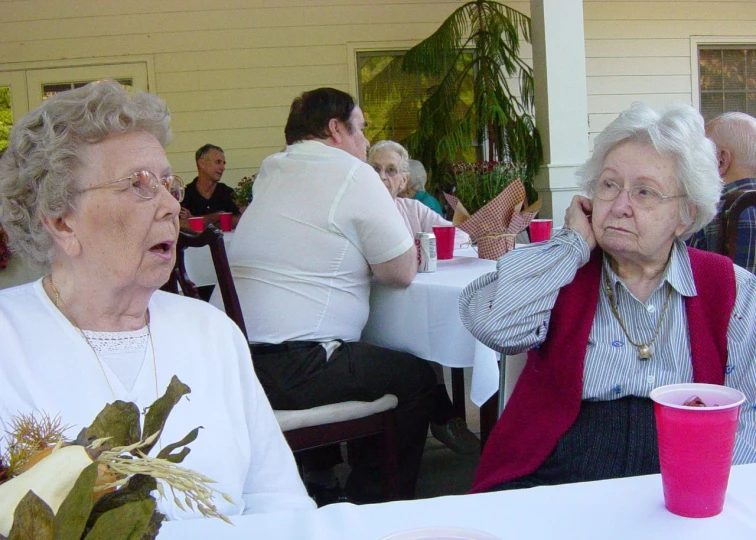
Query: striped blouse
point(509, 310)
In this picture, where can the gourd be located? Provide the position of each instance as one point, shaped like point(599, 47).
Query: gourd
point(51, 480)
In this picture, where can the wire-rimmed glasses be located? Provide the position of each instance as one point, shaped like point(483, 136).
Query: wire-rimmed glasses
point(146, 185)
point(643, 196)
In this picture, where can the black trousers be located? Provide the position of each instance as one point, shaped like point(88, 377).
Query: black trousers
point(609, 439)
point(304, 378)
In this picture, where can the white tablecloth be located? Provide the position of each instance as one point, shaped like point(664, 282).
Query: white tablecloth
point(199, 263)
point(628, 508)
point(423, 319)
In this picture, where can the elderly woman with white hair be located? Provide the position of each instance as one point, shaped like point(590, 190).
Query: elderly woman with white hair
point(392, 163)
point(87, 194)
point(613, 306)
point(415, 188)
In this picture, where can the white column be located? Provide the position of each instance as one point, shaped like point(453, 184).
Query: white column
point(560, 99)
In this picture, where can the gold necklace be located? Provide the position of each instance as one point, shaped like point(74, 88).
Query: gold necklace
point(60, 305)
point(645, 350)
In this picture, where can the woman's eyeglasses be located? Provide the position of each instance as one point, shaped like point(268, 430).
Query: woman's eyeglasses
point(644, 196)
point(146, 185)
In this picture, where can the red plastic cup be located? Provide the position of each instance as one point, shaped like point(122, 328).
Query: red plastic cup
point(444, 242)
point(225, 221)
point(197, 223)
point(696, 445)
point(540, 230)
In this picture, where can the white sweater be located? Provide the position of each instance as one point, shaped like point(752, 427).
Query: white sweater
point(420, 218)
point(46, 365)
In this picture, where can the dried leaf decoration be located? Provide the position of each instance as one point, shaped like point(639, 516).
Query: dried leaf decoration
point(32, 520)
point(117, 447)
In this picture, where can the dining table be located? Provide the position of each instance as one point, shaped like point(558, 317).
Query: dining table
point(423, 319)
point(619, 509)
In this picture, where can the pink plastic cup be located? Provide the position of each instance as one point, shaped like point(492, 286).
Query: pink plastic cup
point(225, 221)
point(197, 223)
point(540, 230)
point(696, 445)
point(444, 242)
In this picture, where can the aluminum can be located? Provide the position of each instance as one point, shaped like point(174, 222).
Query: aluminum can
point(426, 252)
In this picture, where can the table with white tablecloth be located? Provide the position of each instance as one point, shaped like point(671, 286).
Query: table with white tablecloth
point(620, 509)
point(423, 319)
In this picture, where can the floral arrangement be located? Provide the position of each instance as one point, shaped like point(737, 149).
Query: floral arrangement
point(478, 183)
point(243, 193)
point(100, 483)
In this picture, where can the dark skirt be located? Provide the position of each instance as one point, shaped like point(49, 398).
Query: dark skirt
point(609, 439)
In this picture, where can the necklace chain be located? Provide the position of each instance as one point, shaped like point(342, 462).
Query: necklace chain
point(645, 350)
point(60, 304)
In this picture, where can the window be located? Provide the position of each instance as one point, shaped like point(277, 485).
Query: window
point(49, 90)
point(391, 98)
point(727, 79)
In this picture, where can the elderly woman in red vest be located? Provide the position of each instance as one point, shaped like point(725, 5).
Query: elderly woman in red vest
point(613, 306)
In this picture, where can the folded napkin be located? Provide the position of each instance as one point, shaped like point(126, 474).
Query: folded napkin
point(494, 227)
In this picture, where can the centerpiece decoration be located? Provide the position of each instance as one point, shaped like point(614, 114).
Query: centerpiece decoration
point(242, 195)
point(489, 204)
point(99, 485)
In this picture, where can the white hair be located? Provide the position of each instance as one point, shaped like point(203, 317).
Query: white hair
point(418, 176)
point(677, 132)
point(735, 131)
point(394, 147)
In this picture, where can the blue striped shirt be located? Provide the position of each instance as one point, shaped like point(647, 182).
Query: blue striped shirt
point(509, 310)
point(708, 237)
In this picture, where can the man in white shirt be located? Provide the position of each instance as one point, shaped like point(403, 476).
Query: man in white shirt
point(320, 224)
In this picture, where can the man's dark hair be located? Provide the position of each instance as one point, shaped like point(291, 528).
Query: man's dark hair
point(311, 111)
point(205, 149)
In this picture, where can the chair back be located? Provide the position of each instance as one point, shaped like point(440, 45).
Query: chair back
point(735, 204)
point(180, 280)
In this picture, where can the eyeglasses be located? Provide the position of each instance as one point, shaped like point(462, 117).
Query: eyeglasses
point(146, 185)
point(390, 171)
point(643, 196)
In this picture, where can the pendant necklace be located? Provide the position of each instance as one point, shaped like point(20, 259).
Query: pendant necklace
point(60, 305)
point(645, 350)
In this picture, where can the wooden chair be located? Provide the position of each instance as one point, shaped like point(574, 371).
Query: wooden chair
point(735, 204)
point(308, 428)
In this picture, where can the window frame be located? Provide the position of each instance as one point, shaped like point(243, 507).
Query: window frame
point(721, 42)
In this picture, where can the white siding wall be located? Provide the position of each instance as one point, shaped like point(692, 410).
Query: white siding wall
point(230, 68)
point(641, 51)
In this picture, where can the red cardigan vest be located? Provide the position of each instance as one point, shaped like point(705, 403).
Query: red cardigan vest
point(547, 397)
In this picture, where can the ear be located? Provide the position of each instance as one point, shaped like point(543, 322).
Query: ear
point(63, 233)
point(405, 183)
point(682, 227)
point(724, 160)
point(334, 130)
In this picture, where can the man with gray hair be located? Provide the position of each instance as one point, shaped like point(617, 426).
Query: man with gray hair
point(734, 134)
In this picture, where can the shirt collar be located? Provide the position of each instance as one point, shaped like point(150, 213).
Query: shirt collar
point(678, 273)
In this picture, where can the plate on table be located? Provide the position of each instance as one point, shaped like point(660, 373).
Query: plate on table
point(441, 533)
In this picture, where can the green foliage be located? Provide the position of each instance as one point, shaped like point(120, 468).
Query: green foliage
point(478, 183)
point(243, 193)
point(6, 116)
point(448, 125)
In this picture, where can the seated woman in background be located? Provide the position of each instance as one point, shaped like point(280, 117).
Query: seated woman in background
point(415, 188)
point(613, 306)
point(86, 191)
point(391, 161)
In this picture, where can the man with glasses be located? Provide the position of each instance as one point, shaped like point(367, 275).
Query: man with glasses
point(206, 196)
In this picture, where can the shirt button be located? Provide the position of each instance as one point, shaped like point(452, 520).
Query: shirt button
point(651, 379)
point(651, 309)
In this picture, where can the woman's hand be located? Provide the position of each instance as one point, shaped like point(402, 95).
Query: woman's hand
point(578, 218)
